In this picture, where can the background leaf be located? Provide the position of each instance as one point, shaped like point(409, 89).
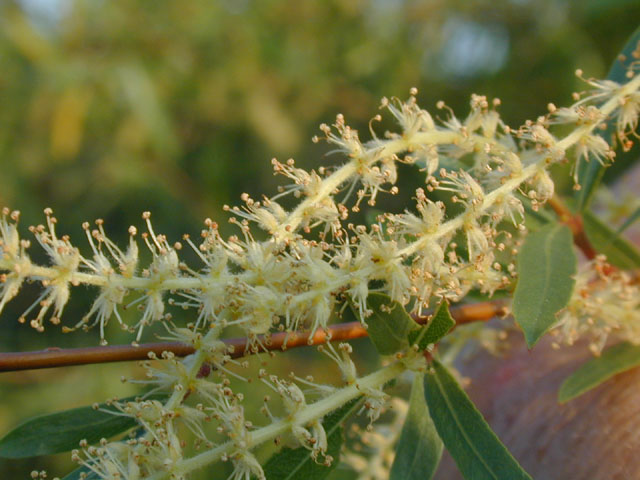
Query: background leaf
point(439, 325)
point(388, 325)
point(590, 173)
point(290, 464)
point(546, 264)
point(476, 450)
point(76, 474)
point(535, 219)
point(61, 432)
point(614, 360)
point(419, 449)
point(618, 250)
point(635, 215)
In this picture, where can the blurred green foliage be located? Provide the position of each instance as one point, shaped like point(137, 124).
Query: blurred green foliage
point(110, 108)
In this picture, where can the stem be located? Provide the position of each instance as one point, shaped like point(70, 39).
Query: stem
point(314, 411)
point(366, 158)
point(455, 223)
point(332, 183)
point(58, 357)
point(179, 394)
point(526, 174)
point(575, 223)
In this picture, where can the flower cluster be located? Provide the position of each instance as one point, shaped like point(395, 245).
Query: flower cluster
point(604, 303)
point(372, 453)
point(315, 259)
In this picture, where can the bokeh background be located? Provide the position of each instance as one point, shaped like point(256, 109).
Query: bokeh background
point(111, 108)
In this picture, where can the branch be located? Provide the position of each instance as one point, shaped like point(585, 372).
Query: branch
point(58, 357)
point(575, 224)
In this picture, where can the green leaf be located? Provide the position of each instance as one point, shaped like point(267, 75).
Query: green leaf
point(371, 215)
point(619, 251)
point(546, 265)
point(620, 66)
point(419, 449)
point(388, 325)
point(61, 432)
point(439, 325)
point(535, 219)
point(476, 450)
point(629, 221)
point(590, 173)
point(614, 360)
point(290, 464)
point(76, 474)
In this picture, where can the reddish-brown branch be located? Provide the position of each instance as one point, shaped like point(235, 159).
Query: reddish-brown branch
point(576, 225)
point(58, 357)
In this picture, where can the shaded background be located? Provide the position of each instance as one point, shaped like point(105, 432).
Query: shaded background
point(111, 108)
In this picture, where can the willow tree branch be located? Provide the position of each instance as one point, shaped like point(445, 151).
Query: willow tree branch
point(575, 224)
point(58, 357)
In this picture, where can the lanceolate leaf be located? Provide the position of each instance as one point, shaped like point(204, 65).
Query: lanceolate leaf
point(388, 325)
point(476, 450)
point(614, 360)
point(439, 325)
point(546, 265)
point(61, 432)
point(76, 474)
point(619, 252)
point(291, 464)
point(419, 449)
point(535, 219)
point(629, 221)
point(590, 173)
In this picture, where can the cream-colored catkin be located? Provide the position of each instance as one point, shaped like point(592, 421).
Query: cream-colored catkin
point(313, 259)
